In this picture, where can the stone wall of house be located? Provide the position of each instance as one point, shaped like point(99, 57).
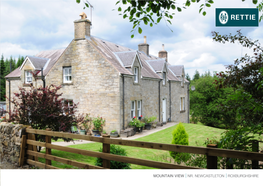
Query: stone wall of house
point(15, 84)
point(95, 82)
point(10, 141)
point(147, 90)
point(177, 91)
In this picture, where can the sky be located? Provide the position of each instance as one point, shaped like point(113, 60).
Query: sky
point(30, 26)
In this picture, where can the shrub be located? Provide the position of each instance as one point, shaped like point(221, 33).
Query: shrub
point(180, 137)
point(44, 108)
point(200, 160)
point(115, 164)
point(98, 123)
point(136, 122)
point(149, 119)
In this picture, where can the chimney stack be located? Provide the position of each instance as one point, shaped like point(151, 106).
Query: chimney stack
point(144, 47)
point(82, 27)
point(163, 54)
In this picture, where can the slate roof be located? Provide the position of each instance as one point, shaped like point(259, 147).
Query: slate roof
point(126, 57)
point(177, 69)
point(120, 57)
point(157, 64)
point(38, 62)
point(49, 56)
point(53, 55)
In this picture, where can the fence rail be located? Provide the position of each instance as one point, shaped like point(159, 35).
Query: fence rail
point(210, 151)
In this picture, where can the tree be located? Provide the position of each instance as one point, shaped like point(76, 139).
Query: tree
point(7, 65)
point(2, 79)
point(205, 102)
point(43, 108)
point(180, 137)
point(245, 77)
point(188, 77)
point(196, 75)
point(20, 61)
point(152, 12)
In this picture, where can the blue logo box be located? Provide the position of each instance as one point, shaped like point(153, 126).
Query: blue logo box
point(236, 17)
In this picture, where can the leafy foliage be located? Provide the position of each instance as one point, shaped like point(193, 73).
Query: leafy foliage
point(180, 137)
point(188, 77)
point(136, 122)
point(196, 75)
point(152, 12)
point(114, 149)
point(206, 101)
point(43, 108)
point(5, 70)
point(149, 119)
point(245, 77)
point(238, 139)
point(98, 123)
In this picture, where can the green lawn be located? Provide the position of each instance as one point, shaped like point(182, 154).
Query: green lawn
point(197, 133)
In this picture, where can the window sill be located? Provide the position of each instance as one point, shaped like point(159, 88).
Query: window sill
point(136, 83)
point(182, 86)
point(27, 84)
point(69, 83)
point(181, 111)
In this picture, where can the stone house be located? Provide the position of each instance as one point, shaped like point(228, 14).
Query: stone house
point(109, 80)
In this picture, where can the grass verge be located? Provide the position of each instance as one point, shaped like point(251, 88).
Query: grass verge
point(197, 133)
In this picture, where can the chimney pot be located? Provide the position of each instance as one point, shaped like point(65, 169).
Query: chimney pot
point(82, 27)
point(144, 47)
point(83, 15)
point(163, 53)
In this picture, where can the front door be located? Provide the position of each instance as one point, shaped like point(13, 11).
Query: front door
point(164, 110)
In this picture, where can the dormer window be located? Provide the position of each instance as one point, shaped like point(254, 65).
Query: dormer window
point(136, 74)
point(164, 78)
point(28, 77)
point(67, 78)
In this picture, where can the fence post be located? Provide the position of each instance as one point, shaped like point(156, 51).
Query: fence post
point(106, 149)
point(211, 160)
point(22, 151)
point(29, 147)
point(255, 148)
point(48, 150)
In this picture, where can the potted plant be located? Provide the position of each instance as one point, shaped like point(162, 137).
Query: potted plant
point(114, 134)
point(104, 134)
point(136, 124)
point(140, 126)
point(133, 123)
point(85, 125)
point(148, 122)
point(98, 123)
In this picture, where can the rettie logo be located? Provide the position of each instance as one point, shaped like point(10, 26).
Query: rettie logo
point(236, 17)
point(223, 17)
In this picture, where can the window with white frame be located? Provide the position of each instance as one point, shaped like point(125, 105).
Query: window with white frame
point(182, 103)
point(136, 74)
point(164, 78)
point(68, 106)
point(139, 108)
point(132, 109)
point(67, 78)
point(28, 77)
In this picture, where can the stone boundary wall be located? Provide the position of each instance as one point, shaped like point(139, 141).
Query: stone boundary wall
point(10, 141)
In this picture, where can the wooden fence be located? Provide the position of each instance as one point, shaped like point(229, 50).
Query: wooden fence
point(30, 155)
